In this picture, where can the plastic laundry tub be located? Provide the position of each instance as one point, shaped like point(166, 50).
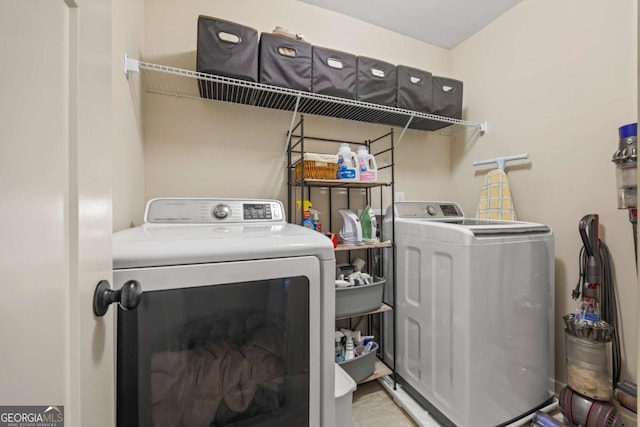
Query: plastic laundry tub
point(345, 386)
point(359, 299)
point(361, 367)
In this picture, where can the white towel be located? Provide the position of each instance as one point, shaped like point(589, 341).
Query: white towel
point(495, 197)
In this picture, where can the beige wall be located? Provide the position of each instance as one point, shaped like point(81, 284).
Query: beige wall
point(556, 80)
point(128, 158)
point(202, 148)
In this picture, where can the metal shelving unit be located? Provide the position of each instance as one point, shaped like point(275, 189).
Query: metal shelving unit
point(190, 84)
point(301, 189)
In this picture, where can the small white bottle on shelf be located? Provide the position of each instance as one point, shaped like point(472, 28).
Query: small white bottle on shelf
point(349, 353)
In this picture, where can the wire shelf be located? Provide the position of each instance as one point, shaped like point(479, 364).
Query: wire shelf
point(179, 82)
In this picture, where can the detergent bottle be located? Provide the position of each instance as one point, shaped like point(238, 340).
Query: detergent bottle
point(368, 224)
point(307, 218)
point(347, 163)
point(367, 166)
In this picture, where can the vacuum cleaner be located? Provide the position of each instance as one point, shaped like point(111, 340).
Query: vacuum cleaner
point(593, 355)
point(593, 362)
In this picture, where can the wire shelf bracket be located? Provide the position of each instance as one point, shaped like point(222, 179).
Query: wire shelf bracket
point(130, 65)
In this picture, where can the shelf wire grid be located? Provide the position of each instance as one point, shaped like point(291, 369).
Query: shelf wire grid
point(179, 82)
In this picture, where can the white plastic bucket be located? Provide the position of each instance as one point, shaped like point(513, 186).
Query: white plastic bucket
point(345, 386)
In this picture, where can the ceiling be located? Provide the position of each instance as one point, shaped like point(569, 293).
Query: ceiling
point(444, 23)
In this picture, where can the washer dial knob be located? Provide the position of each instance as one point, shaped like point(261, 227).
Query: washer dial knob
point(431, 210)
point(221, 211)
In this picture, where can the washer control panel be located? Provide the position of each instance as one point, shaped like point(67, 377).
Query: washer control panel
point(213, 211)
point(428, 210)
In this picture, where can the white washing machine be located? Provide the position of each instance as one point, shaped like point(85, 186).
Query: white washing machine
point(229, 319)
point(474, 306)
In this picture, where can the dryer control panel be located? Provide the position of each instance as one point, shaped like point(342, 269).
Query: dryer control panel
point(428, 210)
point(208, 211)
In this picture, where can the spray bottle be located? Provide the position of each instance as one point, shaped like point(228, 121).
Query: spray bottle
point(307, 219)
point(316, 219)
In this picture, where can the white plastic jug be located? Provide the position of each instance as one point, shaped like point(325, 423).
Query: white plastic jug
point(347, 164)
point(367, 166)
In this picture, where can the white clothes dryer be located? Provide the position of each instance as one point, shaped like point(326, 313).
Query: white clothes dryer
point(474, 307)
point(234, 318)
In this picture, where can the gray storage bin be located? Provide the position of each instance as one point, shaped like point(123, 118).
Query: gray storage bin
point(333, 73)
point(447, 100)
point(227, 49)
point(361, 367)
point(376, 82)
point(415, 89)
point(359, 299)
point(285, 62)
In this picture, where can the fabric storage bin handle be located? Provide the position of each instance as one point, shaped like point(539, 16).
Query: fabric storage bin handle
point(448, 89)
point(335, 63)
point(415, 80)
point(229, 38)
point(287, 51)
point(376, 72)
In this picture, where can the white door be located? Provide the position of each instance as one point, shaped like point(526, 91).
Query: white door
point(55, 206)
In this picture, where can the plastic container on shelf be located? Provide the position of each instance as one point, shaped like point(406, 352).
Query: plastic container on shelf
point(347, 164)
point(359, 299)
point(361, 367)
point(367, 166)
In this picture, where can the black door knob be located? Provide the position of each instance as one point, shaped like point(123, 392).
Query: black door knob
point(128, 297)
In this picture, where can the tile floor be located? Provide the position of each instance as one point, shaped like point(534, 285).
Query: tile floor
point(374, 407)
